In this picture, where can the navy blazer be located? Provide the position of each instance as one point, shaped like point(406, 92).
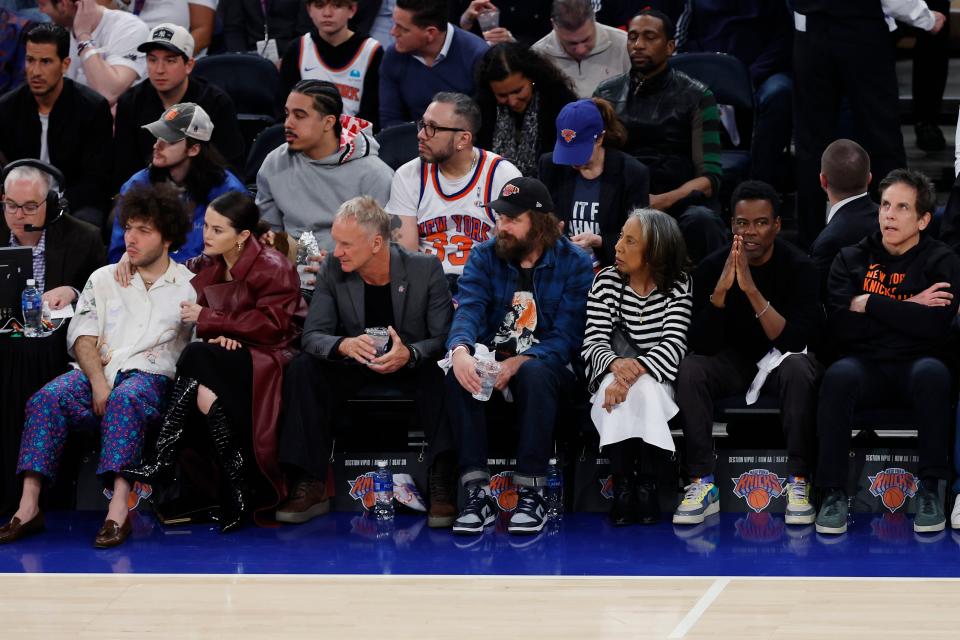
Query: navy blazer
point(851, 223)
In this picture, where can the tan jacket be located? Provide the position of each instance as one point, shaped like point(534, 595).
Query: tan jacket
point(609, 58)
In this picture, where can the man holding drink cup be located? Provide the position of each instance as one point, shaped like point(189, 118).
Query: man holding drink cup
point(523, 297)
point(379, 316)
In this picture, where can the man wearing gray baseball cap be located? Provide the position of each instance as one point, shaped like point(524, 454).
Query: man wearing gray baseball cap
point(169, 52)
point(183, 155)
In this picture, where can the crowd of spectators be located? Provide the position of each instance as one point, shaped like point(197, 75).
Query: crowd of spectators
point(524, 198)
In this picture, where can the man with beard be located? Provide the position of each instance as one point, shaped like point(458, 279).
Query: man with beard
point(126, 341)
point(56, 120)
point(169, 52)
point(438, 200)
point(184, 156)
point(523, 296)
point(673, 127)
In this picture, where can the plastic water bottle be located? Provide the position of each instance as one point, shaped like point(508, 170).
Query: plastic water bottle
point(554, 493)
point(383, 491)
point(32, 308)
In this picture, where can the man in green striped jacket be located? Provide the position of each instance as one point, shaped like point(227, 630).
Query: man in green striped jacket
point(673, 127)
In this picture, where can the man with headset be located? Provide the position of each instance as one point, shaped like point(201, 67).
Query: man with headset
point(35, 214)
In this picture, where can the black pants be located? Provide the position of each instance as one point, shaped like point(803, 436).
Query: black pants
point(835, 59)
point(704, 379)
point(315, 392)
point(538, 388)
point(924, 384)
point(931, 60)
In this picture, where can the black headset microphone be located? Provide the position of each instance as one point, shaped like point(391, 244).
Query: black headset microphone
point(56, 200)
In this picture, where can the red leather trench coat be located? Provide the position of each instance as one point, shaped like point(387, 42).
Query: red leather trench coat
point(263, 309)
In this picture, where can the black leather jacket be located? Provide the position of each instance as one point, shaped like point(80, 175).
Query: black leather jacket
point(664, 120)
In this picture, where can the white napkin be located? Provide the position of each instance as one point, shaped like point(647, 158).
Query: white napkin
point(765, 367)
point(480, 352)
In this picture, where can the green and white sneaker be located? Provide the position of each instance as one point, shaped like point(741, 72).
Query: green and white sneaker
point(702, 498)
point(833, 513)
point(799, 510)
point(930, 516)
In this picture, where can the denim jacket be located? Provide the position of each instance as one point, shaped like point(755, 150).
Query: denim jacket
point(561, 281)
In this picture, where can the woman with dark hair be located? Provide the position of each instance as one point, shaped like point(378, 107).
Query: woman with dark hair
point(249, 315)
point(638, 313)
point(592, 182)
point(184, 156)
point(520, 94)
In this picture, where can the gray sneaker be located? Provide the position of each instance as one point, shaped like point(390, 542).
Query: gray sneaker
point(833, 513)
point(799, 510)
point(478, 512)
point(930, 515)
point(701, 499)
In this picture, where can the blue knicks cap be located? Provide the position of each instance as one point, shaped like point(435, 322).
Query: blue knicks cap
point(578, 127)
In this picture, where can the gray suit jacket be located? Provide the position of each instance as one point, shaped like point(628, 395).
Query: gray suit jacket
point(422, 307)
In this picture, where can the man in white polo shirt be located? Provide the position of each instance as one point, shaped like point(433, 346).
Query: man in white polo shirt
point(103, 45)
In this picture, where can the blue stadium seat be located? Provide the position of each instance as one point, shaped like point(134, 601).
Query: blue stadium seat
point(251, 82)
point(398, 144)
point(268, 140)
point(729, 80)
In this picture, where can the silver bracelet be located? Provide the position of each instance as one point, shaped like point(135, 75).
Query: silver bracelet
point(757, 316)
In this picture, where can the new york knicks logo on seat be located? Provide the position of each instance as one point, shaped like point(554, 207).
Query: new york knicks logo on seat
point(606, 487)
point(758, 487)
point(362, 489)
point(504, 491)
point(893, 487)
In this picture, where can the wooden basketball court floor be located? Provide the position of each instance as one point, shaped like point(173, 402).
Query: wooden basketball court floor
point(342, 606)
point(342, 576)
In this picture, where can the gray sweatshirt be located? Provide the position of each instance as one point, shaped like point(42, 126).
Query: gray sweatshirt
point(297, 194)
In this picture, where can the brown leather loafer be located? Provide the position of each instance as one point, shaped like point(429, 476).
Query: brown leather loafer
point(16, 530)
point(112, 534)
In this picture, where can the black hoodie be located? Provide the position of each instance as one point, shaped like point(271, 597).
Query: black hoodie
point(891, 329)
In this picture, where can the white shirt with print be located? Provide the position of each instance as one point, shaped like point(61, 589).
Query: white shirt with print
point(136, 328)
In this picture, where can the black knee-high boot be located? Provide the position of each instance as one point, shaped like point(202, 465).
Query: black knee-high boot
point(183, 399)
point(234, 506)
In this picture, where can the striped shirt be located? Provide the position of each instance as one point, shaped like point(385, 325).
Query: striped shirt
point(39, 258)
point(657, 323)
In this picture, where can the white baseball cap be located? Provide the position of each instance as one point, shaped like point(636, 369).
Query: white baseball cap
point(169, 36)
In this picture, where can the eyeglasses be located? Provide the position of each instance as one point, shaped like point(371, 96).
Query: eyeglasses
point(29, 208)
point(431, 129)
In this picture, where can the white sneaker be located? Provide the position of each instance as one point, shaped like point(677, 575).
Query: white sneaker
point(955, 514)
point(799, 510)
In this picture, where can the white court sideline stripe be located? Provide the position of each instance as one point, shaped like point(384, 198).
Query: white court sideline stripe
point(446, 576)
point(700, 608)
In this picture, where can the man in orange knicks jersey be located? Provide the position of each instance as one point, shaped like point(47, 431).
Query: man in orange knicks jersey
point(438, 199)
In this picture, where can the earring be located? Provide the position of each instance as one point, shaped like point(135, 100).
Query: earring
point(239, 246)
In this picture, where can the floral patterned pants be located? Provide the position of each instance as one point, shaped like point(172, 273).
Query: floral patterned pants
point(134, 407)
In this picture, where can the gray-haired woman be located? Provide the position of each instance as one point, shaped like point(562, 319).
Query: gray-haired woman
point(638, 313)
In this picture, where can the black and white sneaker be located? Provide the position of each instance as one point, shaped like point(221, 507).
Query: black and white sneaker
point(531, 513)
point(478, 512)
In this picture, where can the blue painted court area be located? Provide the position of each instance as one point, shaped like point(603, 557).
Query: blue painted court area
point(581, 544)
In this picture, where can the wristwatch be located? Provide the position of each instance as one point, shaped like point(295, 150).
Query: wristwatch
point(414, 356)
